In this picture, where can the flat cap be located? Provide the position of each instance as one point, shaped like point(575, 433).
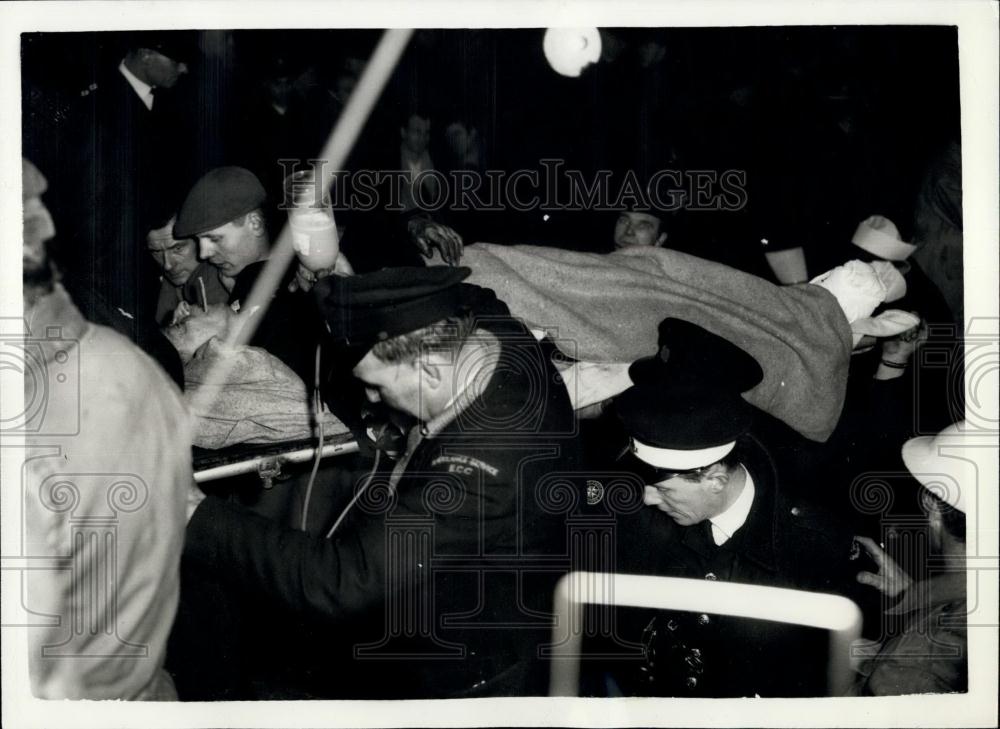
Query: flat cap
point(364, 309)
point(221, 195)
point(685, 410)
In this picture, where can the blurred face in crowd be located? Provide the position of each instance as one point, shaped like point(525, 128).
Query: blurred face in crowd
point(344, 86)
point(691, 498)
point(37, 228)
point(416, 134)
point(279, 89)
point(159, 70)
point(638, 229)
point(177, 258)
point(235, 245)
point(197, 326)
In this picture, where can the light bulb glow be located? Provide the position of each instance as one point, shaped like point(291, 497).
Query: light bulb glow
point(570, 50)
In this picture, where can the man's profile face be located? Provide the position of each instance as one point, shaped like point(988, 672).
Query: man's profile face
point(416, 134)
point(162, 71)
point(279, 88)
point(397, 384)
point(685, 501)
point(177, 258)
point(344, 86)
point(637, 230)
point(233, 246)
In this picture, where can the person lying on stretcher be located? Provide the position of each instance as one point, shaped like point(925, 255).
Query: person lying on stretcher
point(260, 399)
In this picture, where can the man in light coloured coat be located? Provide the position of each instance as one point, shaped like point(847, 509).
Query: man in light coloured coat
point(104, 490)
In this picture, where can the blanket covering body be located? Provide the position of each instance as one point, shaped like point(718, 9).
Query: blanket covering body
point(606, 308)
point(262, 400)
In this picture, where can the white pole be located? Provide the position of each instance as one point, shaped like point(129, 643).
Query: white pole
point(252, 464)
point(342, 139)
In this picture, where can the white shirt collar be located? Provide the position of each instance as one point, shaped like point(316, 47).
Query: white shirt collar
point(142, 89)
point(460, 402)
point(724, 525)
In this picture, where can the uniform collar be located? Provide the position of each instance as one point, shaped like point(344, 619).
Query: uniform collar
point(143, 90)
point(755, 539)
point(463, 399)
point(763, 523)
point(726, 524)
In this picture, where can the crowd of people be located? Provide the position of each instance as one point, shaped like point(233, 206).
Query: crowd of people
point(768, 422)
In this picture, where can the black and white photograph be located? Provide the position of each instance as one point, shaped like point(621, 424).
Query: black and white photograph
point(536, 364)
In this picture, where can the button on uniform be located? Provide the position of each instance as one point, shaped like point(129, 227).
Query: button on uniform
point(711, 577)
point(703, 619)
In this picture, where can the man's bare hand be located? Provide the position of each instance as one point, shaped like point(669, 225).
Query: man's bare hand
point(891, 580)
point(427, 234)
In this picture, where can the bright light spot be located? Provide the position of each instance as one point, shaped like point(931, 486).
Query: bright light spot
point(570, 50)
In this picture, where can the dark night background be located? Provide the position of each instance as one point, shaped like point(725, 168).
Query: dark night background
point(831, 123)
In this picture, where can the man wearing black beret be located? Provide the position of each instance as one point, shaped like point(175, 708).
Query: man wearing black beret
point(716, 513)
point(436, 580)
point(223, 211)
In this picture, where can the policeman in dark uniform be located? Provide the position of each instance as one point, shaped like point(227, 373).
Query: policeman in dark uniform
point(716, 513)
point(224, 212)
point(438, 577)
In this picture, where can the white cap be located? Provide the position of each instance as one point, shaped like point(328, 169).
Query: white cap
point(680, 460)
point(953, 463)
point(887, 324)
point(879, 236)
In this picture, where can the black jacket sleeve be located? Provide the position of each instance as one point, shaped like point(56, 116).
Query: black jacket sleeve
point(334, 578)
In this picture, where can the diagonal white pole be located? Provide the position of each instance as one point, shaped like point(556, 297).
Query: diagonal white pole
point(345, 133)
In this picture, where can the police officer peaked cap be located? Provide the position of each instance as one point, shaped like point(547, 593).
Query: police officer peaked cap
point(220, 196)
point(178, 45)
point(685, 410)
point(692, 352)
point(368, 308)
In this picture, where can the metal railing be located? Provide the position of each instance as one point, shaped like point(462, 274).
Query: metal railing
point(834, 613)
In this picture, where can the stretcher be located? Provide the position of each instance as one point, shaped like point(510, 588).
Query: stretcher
point(266, 460)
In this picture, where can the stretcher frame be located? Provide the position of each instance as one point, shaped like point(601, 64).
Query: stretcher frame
point(267, 460)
